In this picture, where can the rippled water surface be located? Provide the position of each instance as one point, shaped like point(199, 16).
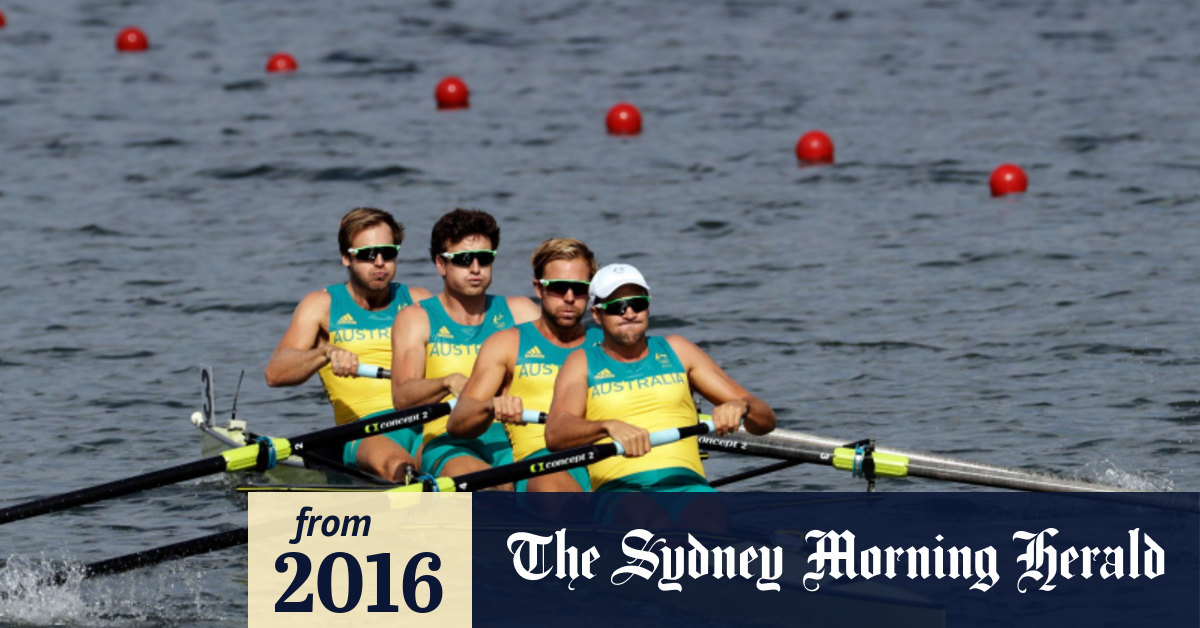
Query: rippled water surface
point(166, 210)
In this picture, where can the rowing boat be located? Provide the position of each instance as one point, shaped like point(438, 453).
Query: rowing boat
point(240, 450)
point(862, 458)
point(782, 444)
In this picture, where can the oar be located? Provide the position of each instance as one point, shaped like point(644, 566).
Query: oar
point(521, 470)
point(144, 558)
point(373, 372)
point(788, 445)
point(753, 473)
point(255, 456)
point(525, 469)
point(552, 463)
point(378, 372)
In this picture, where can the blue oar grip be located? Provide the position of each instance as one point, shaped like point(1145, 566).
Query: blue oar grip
point(374, 372)
point(528, 416)
point(662, 437)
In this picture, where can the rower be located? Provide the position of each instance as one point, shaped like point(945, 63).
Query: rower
point(516, 367)
point(434, 344)
point(631, 384)
point(336, 328)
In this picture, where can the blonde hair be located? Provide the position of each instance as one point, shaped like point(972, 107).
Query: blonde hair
point(561, 249)
point(361, 218)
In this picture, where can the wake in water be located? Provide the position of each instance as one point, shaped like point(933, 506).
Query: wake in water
point(1106, 472)
point(166, 595)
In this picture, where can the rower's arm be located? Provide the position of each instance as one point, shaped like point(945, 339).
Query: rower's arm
point(566, 426)
point(418, 294)
point(523, 309)
point(732, 401)
point(305, 347)
point(474, 411)
point(410, 333)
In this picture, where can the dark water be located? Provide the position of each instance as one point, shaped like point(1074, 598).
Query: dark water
point(166, 210)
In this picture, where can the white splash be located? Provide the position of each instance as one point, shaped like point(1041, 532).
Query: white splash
point(169, 594)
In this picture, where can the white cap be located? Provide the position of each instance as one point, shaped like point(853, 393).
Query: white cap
point(608, 279)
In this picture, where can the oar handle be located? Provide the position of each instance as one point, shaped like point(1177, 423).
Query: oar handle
point(528, 416)
point(373, 372)
point(378, 372)
point(662, 437)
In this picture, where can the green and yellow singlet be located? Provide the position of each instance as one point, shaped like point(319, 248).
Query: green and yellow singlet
point(652, 393)
point(452, 347)
point(367, 333)
point(537, 364)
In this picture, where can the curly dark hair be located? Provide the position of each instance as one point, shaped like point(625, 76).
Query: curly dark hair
point(457, 225)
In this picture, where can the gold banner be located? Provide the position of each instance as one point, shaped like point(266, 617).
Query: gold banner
point(328, 559)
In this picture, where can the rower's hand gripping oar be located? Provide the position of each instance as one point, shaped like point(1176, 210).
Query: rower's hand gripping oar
point(371, 371)
point(261, 455)
point(551, 463)
point(378, 372)
point(527, 416)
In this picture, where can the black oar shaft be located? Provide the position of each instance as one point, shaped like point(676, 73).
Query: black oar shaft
point(753, 473)
point(238, 459)
point(559, 461)
point(363, 428)
point(526, 469)
point(183, 549)
point(154, 479)
point(766, 448)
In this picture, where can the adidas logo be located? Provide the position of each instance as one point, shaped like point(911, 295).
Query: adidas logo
point(534, 354)
point(445, 333)
point(604, 374)
point(346, 319)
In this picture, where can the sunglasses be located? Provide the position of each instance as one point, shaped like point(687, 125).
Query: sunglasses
point(638, 303)
point(485, 257)
point(369, 253)
point(560, 287)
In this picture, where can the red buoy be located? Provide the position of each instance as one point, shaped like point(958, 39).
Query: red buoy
point(452, 93)
point(624, 119)
point(132, 39)
point(281, 62)
point(1008, 179)
point(815, 147)
point(2, 22)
